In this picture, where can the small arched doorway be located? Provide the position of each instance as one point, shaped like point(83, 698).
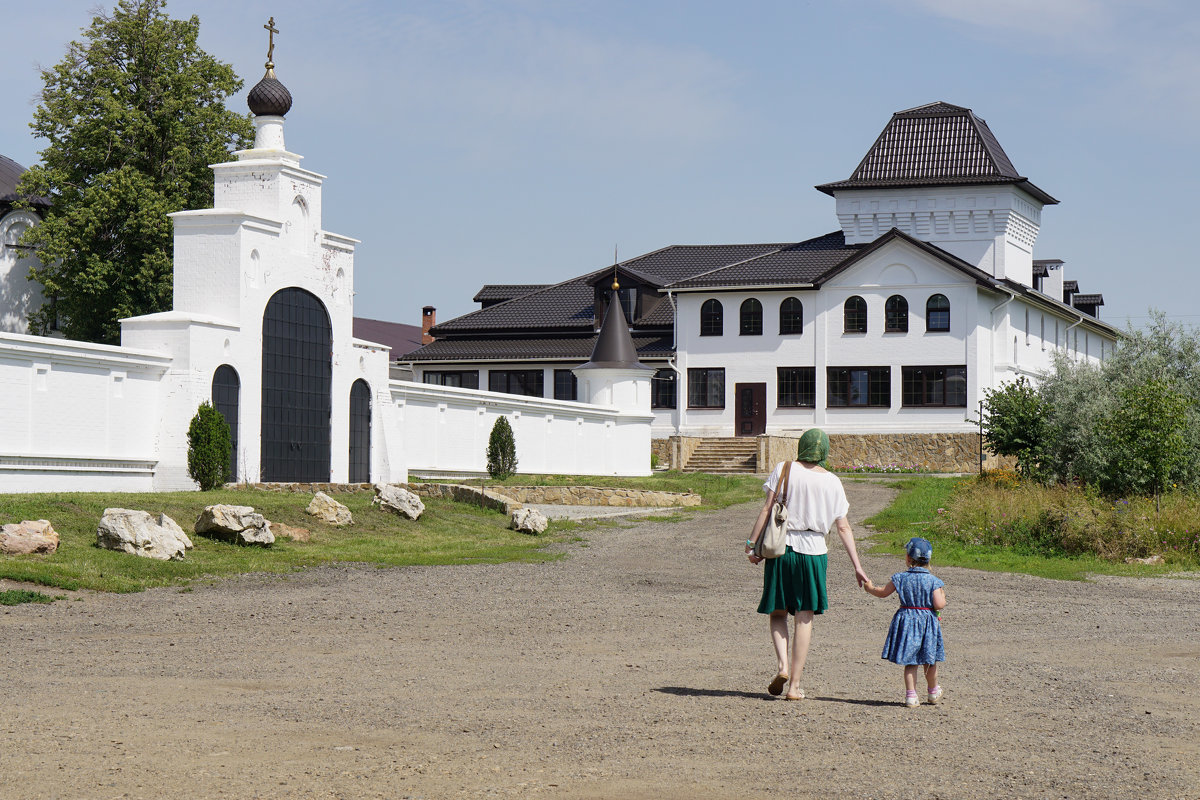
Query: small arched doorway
point(360, 432)
point(226, 390)
point(297, 381)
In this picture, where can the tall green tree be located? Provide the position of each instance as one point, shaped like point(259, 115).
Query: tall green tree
point(133, 114)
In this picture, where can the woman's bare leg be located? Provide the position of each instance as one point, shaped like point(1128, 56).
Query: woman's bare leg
point(801, 638)
point(779, 638)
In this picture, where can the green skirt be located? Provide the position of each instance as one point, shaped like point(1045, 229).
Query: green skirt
point(794, 582)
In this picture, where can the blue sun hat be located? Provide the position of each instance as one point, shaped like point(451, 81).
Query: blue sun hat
point(919, 549)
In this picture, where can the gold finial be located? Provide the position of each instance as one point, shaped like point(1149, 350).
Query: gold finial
point(271, 31)
point(615, 285)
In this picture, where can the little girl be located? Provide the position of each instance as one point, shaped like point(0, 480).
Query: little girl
point(915, 635)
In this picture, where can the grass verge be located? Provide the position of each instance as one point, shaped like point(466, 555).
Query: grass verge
point(915, 512)
point(447, 533)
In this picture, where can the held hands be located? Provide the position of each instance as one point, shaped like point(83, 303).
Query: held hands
point(861, 577)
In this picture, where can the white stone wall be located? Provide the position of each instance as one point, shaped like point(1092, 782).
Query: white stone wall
point(19, 296)
point(77, 416)
point(445, 430)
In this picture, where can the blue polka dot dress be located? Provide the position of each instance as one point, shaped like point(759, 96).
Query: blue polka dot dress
point(915, 635)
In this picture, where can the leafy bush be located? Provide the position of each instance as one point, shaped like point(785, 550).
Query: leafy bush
point(209, 446)
point(501, 451)
point(1014, 424)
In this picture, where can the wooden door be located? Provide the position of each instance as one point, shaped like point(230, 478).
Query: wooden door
point(750, 416)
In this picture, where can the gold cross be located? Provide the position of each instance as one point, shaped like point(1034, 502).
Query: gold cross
point(271, 31)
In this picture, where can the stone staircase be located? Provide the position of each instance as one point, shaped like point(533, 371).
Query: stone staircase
point(725, 456)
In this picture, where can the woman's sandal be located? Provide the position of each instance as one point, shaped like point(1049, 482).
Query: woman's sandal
point(778, 683)
point(798, 696)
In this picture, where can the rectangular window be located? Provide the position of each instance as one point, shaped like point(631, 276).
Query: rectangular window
point(706, 388)
point(797, 387)
point(859, 386)
point(662, 389)
point(464, 379)
point(566, 387)
point(528, 382)
point(934, 386)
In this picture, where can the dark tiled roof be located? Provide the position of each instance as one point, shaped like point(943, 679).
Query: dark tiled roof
point(494, 292)
point(793, 264)
point(573, 348)
point(935, 145)
point(399, 337)
point(1088, 299)
point(568, 305)
point(1070, 286)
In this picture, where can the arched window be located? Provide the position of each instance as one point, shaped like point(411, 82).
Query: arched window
point(855, 315)
point(711, 321)
point(791, 316)
point(751, 318)
point(895, 315)
point(297, 381)
point(226, 387)
point(360, 432)
point(937, 313)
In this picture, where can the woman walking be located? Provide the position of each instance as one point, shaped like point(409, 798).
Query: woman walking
point(794, 583)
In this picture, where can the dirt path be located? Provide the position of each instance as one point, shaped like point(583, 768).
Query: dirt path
point(621, 671)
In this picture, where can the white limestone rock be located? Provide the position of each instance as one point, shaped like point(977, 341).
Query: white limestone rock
point(325, 508)
point(398, 501)
point(140, 534)
point(528, 520)
point(28, 536)
point(237, 524)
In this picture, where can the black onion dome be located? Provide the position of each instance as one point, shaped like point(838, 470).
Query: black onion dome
point(269, 97)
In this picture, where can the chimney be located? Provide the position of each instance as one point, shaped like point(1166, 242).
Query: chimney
point(428, 320)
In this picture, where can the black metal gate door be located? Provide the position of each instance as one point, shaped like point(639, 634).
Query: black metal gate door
point(360, 432)
point(297, 377)
point(226, 387)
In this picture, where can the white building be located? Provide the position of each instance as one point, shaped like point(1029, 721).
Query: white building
point(262, 327)
point(896, 323)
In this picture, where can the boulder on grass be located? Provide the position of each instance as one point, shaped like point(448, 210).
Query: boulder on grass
point(288, 532)
point(1151, 560)
point(398, 501)
point(28, 536)
point(140, 534)
point(325, 508)
point(237, 524)
point(528, 520)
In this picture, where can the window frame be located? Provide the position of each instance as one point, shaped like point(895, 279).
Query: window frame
point(538, 376)
point(791, 323)
point(878, 385)
point(750, 317)
point(859, 318)
point(909, 376)
point(559, 374)
point(930, 311)
point(712, 318)
point(895, 319)
point(699, 380)
point(805, 387)
point(664, 384)
point(442, 373)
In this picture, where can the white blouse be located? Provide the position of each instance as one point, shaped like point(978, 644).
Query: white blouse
point(815, 500)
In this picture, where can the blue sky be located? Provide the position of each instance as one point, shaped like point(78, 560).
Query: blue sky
point(518, 141)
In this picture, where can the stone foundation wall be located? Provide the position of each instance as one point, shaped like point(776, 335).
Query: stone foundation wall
point(662, 449)
point(598, 496)
point(488, 498)
point(773, 449)
point(936, 452)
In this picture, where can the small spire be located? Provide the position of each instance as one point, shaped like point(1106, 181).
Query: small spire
point(615, 284)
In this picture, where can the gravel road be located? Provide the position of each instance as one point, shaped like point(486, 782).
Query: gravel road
point(622, 671)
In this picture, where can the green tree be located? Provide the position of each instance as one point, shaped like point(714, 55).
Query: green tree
point(1014, 424)
point(501, 450)
point(209, 446)
point(1149, 432)
point(133, 114)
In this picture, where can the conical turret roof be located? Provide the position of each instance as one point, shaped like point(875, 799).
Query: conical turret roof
point(614, 346)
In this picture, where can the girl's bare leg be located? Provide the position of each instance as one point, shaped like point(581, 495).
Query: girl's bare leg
point(779, 638)
point(801, 638)
point(931, 676)
point(910, 679)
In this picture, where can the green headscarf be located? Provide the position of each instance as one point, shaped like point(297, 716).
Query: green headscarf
point(814, 447)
